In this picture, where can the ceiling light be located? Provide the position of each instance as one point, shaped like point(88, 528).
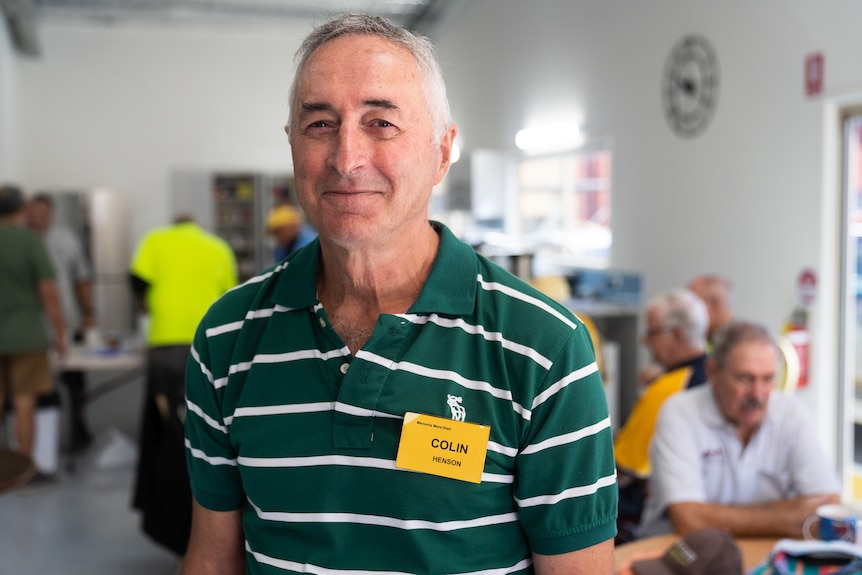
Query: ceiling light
point(550, 137)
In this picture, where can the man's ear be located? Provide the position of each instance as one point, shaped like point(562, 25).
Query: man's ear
point(711, 368)
point(446, 144)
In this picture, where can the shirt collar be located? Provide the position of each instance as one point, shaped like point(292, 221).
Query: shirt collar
point(450, 288)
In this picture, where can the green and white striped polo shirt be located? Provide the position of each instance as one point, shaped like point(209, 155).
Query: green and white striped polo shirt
point(286, 424)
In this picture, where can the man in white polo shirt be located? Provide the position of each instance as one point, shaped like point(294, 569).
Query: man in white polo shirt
point(734, 455)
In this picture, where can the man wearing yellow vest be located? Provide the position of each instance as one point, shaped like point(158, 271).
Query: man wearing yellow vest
point(177, 271)
point(676, 325)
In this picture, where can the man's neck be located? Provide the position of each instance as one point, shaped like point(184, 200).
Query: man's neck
point(10, 220)
point(356, 286)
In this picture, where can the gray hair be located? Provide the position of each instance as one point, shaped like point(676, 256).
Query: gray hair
point(737, 333)
point(433, 85)
point(680, 308)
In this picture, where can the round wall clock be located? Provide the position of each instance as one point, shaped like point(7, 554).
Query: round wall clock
point(690, 86)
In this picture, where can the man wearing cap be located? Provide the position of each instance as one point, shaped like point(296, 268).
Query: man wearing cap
point(289, 230)
point(28, 293)
point(734, 454)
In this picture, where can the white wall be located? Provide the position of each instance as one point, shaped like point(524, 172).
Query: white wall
point(8, 94)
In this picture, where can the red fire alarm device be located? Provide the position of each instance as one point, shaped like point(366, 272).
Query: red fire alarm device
point(814, 74)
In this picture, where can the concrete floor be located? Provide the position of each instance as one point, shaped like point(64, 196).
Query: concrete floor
point(83, 524)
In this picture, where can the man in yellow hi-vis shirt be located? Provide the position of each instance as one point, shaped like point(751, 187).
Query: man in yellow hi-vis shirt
point(178, 271)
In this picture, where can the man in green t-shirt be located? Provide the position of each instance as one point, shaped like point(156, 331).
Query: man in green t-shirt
point(385, 399)
point(28, 294)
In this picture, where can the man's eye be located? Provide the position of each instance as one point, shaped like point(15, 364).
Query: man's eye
point(383, 124)
point(318, 124)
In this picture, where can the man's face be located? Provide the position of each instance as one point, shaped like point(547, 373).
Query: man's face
point(38, 216)
point(662, 340)
point(362, 141)
point(743, 385)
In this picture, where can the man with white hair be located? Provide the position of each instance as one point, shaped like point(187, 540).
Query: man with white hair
point(675, 335)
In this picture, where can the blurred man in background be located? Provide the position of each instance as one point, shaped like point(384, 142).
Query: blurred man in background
point(717, 293)
point(736, 455)
point(288, 228)
point(676, 323)
point(177, 271)
point(28, 294)
point(73, 276)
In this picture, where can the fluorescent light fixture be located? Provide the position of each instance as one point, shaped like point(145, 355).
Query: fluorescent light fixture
point(551, 137)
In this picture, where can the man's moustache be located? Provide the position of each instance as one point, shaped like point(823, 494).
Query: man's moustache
point(752, 403)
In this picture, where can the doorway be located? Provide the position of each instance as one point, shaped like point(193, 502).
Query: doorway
point(850, 396)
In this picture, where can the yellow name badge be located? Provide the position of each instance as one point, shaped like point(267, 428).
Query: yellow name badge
point(444, 447)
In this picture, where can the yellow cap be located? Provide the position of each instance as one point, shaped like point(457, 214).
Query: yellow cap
point(283, 215)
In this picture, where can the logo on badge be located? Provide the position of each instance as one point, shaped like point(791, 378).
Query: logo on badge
point(458, 411)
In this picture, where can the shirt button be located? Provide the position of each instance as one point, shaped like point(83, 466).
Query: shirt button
point(322, 322)
point(344, 367)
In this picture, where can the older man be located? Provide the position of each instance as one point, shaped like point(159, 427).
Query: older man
point(734, 454)
point(74, 284)
point(385, 399)
point(675, 335)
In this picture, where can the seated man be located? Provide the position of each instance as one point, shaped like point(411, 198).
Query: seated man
point(733, 455)
point(676, 323)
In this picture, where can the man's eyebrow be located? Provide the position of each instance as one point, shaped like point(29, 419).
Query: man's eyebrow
point(381, 103)
point(325, 107)
point(315, 107)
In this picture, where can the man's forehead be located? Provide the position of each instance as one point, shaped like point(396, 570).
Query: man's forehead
point(753, 350)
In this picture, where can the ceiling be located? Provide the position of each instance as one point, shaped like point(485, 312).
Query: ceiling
point(21, 15)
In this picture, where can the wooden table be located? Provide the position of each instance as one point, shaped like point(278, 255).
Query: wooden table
point(15, 469)
point(754, 550)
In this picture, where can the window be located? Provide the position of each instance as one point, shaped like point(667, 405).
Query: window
point(564, 203)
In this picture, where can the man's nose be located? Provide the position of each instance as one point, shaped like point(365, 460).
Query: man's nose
point(349, 152)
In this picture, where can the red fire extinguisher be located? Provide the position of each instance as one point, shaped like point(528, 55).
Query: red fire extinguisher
point(795, 348)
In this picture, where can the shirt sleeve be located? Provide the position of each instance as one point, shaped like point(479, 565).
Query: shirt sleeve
point(566, 488)
point(210, 456)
